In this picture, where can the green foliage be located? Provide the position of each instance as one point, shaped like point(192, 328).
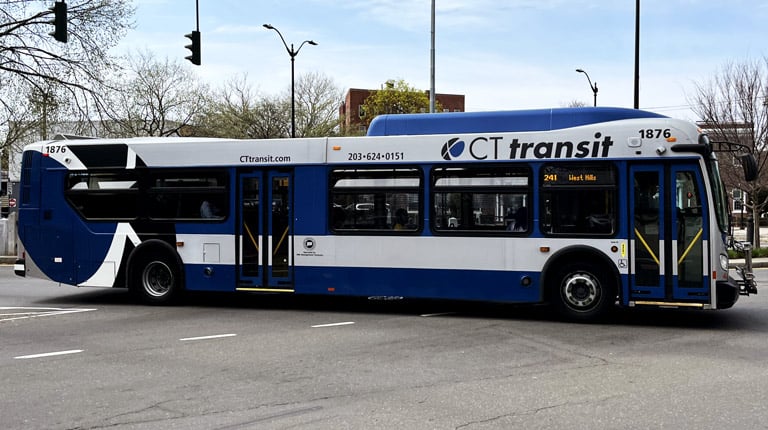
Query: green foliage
point(756, 253)
point(396, 97)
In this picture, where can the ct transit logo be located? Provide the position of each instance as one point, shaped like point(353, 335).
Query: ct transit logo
point(506, 148)
point(453, 149)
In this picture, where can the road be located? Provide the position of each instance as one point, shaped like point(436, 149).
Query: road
point(92, 359)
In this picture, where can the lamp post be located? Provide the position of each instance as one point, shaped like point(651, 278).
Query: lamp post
point(293, 53)
point(591, 86)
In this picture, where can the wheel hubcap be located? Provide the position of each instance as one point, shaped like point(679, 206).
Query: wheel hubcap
point(157, 279)
point(580, 291)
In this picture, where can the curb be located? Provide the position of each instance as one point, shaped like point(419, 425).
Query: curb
point(756, 263)
point(8, 259)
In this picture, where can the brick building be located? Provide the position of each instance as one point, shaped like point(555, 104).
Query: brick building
point(352, 115)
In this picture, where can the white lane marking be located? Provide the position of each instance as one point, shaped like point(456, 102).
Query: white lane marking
point(49, 354)
point(35, 312)
point(215, 336)
point(437, 314)
point(333, 324)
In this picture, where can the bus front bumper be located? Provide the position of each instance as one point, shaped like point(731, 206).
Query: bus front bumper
point(728, 292)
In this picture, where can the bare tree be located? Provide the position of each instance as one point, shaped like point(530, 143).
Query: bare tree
point(734, 108)
point(31, 58)
point(238, 111)
point(273, 119)
point(154, 98)
point(231, 111)
point(20, 124)
point(575, 104)
point(317, 99)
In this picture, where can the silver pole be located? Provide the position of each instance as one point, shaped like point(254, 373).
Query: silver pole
point(432, 65)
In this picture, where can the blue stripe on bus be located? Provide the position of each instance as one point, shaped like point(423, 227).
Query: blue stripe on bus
point(495, 122)
point(495, 286)
point(221, 279)
point(503, 286)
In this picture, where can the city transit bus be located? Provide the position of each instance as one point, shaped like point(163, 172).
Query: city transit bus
point(585, 209)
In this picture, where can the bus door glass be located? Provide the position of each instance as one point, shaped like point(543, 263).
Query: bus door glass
point(265, 232)
point(668, 235)
point(691, 250)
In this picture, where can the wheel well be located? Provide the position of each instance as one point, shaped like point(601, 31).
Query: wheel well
point(148, 248)
point(571, 255)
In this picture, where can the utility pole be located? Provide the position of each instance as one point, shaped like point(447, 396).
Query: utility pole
point(432, 65)
point(637, 54)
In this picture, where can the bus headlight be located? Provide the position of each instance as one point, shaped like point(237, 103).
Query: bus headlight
point(724, 262)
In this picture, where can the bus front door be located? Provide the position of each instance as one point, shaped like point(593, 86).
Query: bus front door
point(265, 237)
point(669, 236)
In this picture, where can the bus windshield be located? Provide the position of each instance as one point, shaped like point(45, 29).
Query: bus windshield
point(719, 197)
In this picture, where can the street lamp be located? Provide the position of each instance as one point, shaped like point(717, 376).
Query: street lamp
point(293, 53)
point(593, 87)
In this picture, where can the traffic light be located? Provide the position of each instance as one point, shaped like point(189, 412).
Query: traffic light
point(194, 47)
point(59, 21)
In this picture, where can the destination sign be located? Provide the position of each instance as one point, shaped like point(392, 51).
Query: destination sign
point(552, 175)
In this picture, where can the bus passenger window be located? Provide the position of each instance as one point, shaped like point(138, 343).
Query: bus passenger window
point(209, 210)
point(578, 199)
point(481, 200)
point(385, 201)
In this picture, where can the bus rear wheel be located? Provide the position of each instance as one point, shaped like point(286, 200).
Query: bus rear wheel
point(156, 280)
point(584, 292)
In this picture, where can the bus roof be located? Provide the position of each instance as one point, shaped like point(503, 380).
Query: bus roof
point(501, 121)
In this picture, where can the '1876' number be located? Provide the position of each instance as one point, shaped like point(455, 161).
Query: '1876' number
point(655, 133)
point(54, 149)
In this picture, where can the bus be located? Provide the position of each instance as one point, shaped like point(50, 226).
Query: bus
point(585, 209)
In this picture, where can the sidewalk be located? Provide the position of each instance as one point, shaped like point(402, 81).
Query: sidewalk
point(7, 259)
point(740, 235)
point(756, 262)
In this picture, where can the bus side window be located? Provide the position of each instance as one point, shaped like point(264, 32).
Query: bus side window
point(337, 216)
point(366, 200)
point(209, 210)
point(578, 199)
point(481, 200)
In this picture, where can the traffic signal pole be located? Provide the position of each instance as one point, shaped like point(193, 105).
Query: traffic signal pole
point(194, 37)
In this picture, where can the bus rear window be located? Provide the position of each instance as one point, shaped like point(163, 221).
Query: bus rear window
point(162, 194)
point(104, 195)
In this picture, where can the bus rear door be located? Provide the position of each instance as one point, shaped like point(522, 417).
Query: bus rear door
point(669, 238)
point(265, 231)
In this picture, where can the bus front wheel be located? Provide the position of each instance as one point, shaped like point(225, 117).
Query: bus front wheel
point(156, 280)
point(584, 292)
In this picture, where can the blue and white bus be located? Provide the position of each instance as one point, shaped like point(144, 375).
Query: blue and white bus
point(582, 208)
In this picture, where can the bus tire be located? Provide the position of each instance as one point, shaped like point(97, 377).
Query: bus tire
point(156, 279)
point(583, 291)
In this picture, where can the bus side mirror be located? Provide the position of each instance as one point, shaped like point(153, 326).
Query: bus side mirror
point(749, 164)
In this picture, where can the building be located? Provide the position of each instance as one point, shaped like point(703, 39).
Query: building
point(352, 115)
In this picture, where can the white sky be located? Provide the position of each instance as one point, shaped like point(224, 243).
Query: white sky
point(502, 54)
